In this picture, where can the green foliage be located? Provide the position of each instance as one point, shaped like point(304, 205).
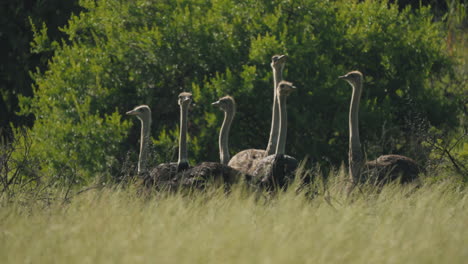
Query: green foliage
point(125, 53)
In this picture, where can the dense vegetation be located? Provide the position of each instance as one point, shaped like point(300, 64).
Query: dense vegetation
point(119, 54)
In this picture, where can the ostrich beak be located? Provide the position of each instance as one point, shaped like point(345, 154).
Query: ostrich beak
point(342, 77)
point(131, 112)
point(293, 89)
point(215, 103)
point(277, 59)
point(184, 100)
point(282, 58)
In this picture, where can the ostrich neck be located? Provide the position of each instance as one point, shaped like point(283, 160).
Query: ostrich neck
point(224, 136)
point(144, 141)
point(183, 135)
point(355, 152)
point(272, 142)
point(283, 125)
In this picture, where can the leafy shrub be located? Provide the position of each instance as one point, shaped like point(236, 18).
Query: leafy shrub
point(125, 53)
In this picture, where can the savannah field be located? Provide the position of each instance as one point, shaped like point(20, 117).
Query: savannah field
point(68, 152)
point(397, 224)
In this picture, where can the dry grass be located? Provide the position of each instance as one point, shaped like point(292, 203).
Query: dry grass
point(113, 225)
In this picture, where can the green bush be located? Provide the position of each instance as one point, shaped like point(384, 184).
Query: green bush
point(126, 53)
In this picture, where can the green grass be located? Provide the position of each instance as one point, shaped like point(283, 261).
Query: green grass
point(114, 225)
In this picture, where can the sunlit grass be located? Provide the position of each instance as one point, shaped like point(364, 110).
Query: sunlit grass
point(115, 225)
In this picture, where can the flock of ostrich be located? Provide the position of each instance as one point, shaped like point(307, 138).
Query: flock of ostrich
point(268, 168)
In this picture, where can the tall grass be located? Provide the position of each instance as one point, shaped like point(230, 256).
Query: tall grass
point(397, 224)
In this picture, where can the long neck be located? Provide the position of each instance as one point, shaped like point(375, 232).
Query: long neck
point(224, 136)
point(355, 152)
point(272, 142)
point(283, 125)
point(183, 136)
point(144, 141)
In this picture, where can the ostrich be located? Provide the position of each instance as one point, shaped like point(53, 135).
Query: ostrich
point(246, 160)
point(228, 106)
point(184, 102)
point(199, 175)
point(277, 64)
point(143, 113)
point(278, 169)
point(163, 174)
point(384, 168)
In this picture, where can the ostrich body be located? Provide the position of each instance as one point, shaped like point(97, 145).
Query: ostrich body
point(386, 167)
point(246, 160)
point(163, 175)
point(205, 174)
point(278, 169)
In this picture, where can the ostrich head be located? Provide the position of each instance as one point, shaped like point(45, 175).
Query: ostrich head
point(226, 103)
point(285, 88)
point(185, 99)
point(143, 112)
point(278, 61)
point(354, 78)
